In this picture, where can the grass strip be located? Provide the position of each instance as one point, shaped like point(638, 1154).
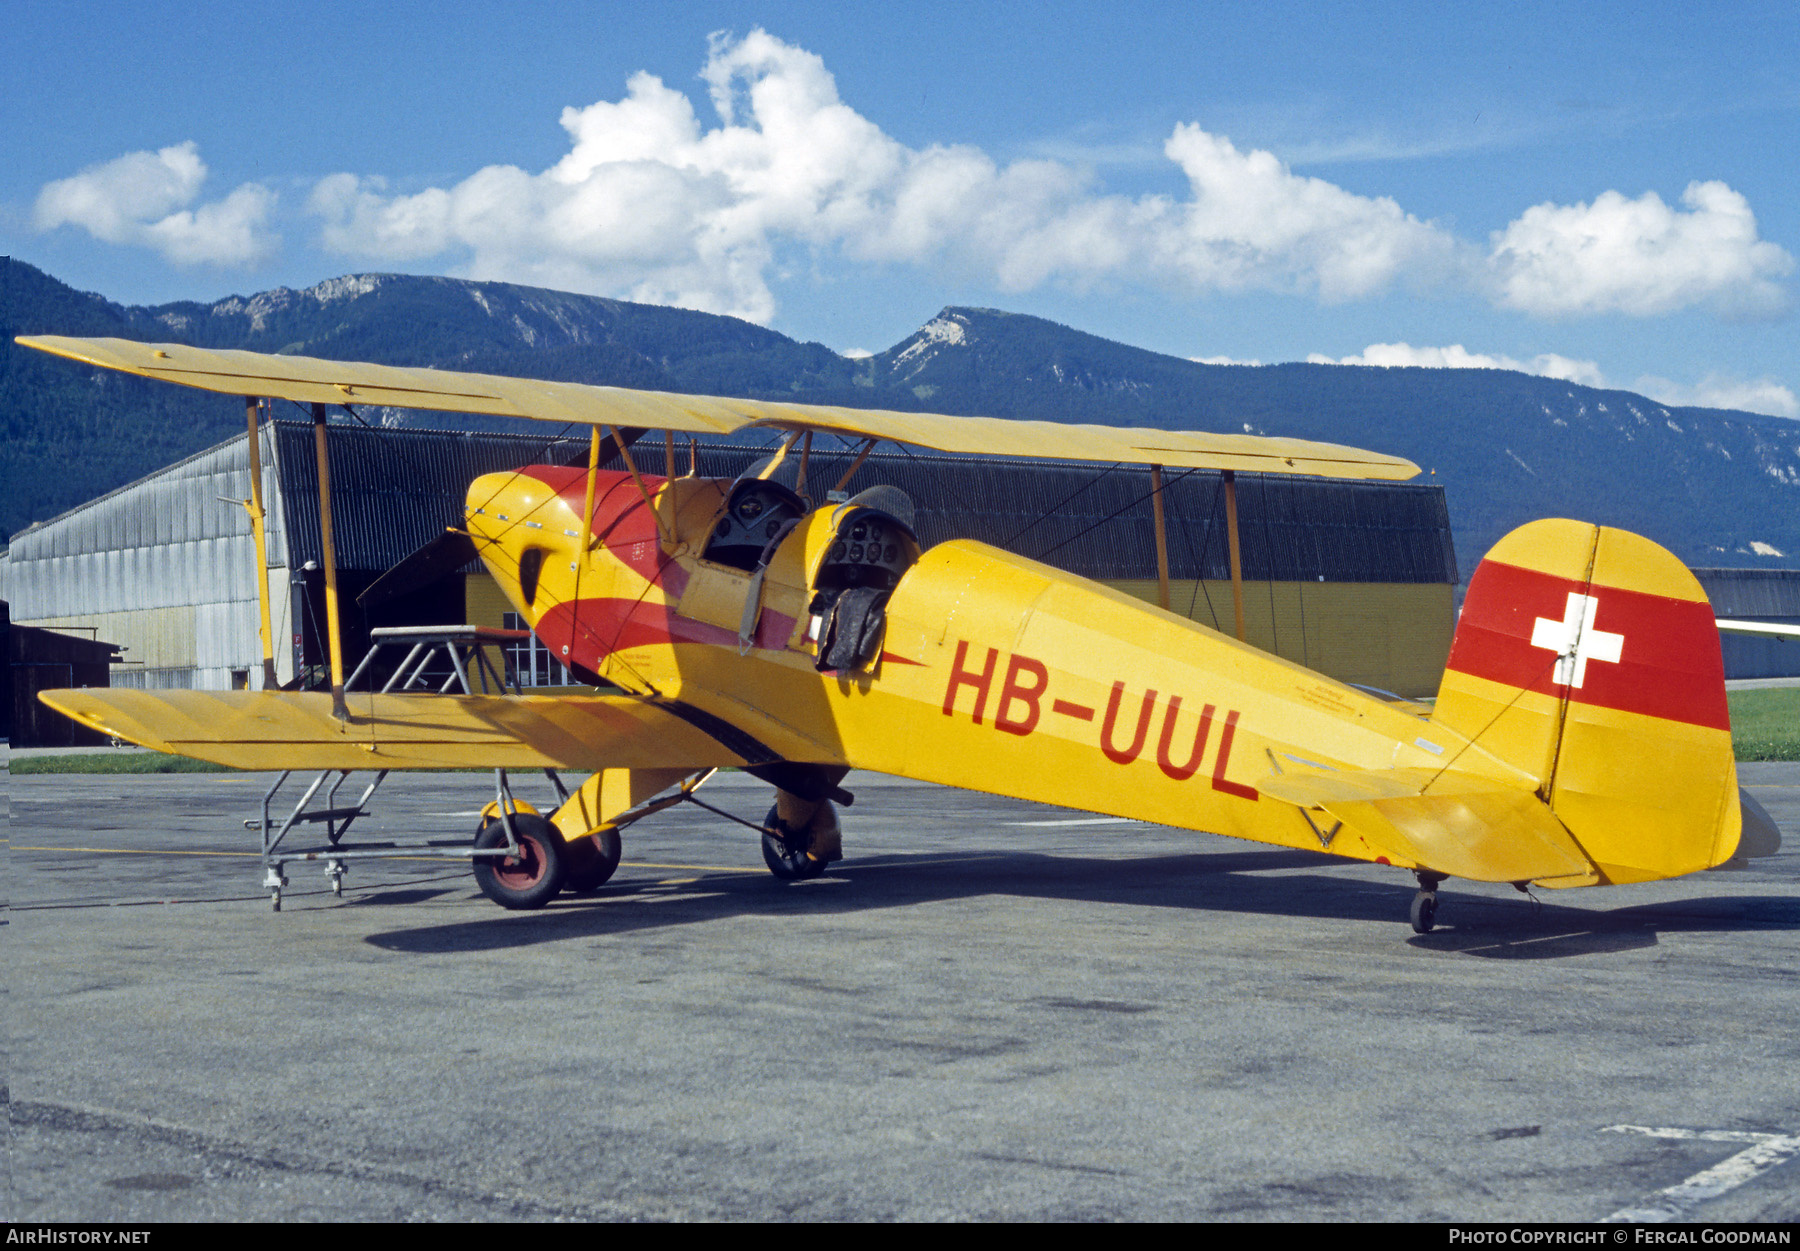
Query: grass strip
point(113, 762)
point(1765, 725)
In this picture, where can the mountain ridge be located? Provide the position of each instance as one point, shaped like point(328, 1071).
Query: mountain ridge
point(1716, 486)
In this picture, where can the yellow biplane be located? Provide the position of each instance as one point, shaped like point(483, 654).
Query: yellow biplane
point(1580, 736)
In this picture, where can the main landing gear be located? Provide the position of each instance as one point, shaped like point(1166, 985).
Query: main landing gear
point(544, 864)
point(800, 853)
point(529, 879)
point(1424, 904)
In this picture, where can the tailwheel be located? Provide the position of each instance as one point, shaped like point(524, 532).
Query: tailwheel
point(1424, 911)
point(529, 879)
point(591, 861)
point(786, 851)
point(1425, 903)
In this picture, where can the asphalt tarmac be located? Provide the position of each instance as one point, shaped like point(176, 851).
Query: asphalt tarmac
point(988, 1010)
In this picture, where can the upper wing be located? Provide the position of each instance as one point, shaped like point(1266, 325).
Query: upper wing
point(283, 730)
point(309, 380)
point(1456, 823)
point(1001, 436)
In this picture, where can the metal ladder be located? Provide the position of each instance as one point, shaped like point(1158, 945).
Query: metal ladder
point(466, 648)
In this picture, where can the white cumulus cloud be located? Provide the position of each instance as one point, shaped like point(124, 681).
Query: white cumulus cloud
point(1253, 222)
point(1547, 365)
point(1640, 257)
point(1761, 395)
point(652, 203)
point(145, 199)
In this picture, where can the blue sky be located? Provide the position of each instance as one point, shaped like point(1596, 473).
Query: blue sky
point(1609, 193)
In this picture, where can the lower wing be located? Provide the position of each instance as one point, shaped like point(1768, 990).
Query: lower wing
point(284, 730)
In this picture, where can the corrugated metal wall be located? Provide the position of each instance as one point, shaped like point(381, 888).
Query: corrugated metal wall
point(1351, 578)
point(392, 491)
point(1098, 521)
point(1771, 595)
point(165, 567)
point(395, 490)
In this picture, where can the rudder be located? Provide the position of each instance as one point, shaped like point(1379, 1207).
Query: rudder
point(1587, 656)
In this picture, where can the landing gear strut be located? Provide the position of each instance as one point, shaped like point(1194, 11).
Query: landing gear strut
point(1424, 904)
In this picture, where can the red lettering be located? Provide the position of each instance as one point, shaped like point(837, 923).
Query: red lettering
point(1218, 779)
point(960, 676)
point(1129, 754)
point(1063, 708)
point(1016, 691)
point(1182, 773)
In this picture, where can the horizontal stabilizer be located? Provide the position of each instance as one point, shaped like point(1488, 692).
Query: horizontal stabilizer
point(281, 730)
point(1448, 822)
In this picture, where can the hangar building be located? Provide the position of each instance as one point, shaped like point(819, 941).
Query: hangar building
point(1354, 579)
point(1768, 595)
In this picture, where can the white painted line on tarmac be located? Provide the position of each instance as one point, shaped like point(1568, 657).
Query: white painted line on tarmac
point(1081, 821)
point(1764, 1152)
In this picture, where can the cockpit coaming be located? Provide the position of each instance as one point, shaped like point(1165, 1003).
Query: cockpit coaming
point(745, 564)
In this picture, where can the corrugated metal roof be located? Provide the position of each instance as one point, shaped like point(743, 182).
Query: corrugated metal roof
point(178, 505)
point(173, 538)
point(395, 490)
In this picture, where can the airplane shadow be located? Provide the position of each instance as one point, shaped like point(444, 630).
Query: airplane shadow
point(1289, 884)
point(397, 897)
point(1552, 931)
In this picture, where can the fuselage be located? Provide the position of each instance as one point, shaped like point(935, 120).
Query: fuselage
point(993, 672)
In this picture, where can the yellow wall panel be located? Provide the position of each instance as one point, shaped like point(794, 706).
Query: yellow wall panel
point(1394, 635)
point(153, 638)
point(483, 604)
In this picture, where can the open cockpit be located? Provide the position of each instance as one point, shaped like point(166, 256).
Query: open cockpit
point(872, 545)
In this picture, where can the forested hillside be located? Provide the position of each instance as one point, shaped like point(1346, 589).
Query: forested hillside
point(1717, 487)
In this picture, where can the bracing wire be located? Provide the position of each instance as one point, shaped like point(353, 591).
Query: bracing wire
point(1269, 568)
point(1116, 513)
point(1504, 709)
point(1060, 505)
point(1200, 561)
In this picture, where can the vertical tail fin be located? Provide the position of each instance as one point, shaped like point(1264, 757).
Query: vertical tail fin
point(1588, 657)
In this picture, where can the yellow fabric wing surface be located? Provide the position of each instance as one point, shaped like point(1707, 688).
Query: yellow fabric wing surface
point(310, 380)
point(283, 730)
point(1469, 827)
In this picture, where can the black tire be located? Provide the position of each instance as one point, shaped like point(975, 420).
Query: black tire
point(592, 862)
point(529, 880)
point(785, 852)
point(1424, 912)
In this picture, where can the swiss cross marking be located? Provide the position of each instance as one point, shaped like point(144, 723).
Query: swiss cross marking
point(1575, 641)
